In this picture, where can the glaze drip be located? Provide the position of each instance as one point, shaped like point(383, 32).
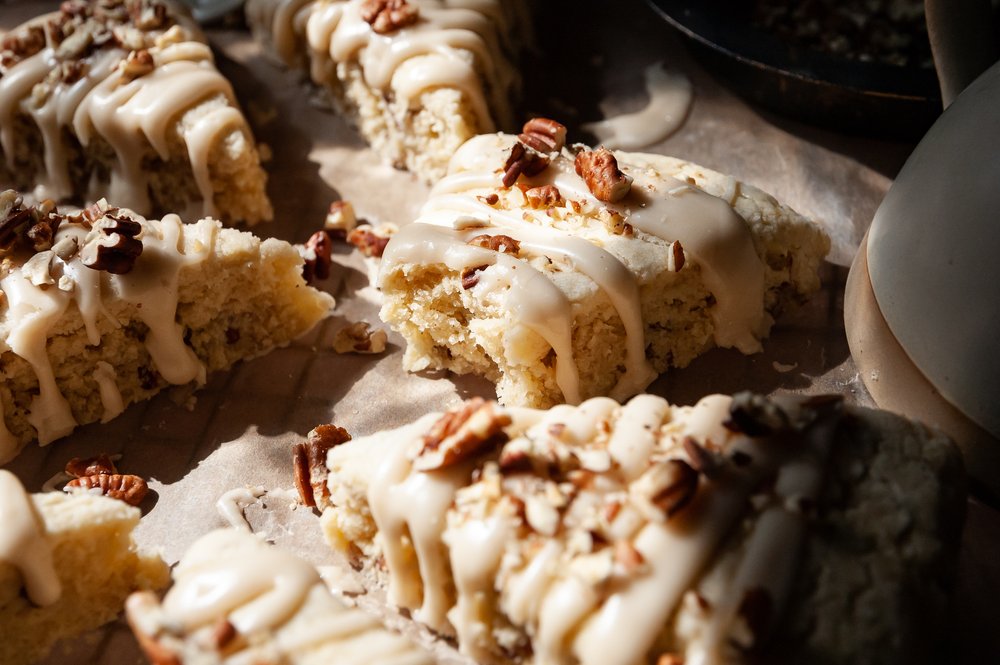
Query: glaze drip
point(23, 542)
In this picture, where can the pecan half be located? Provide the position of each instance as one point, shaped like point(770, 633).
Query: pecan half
point(460, 434)
point(368, 241)
point(113, 246)
point(665, 488)
point(124, 487)
point(498, 243)
point(599, 169)
point(387, 16)
point(546, 196)
point(91, 466)
point(522, 160)
point(543, 135)
point(319, 251)
point(137, 64)
point(309, 460)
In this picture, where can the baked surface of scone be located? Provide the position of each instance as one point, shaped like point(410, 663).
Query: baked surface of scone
point(105, 308)
point(236, 599)
point(67, 564)
point(556, 295)
point(417, 80)
point(741, 529)
point(121, 99)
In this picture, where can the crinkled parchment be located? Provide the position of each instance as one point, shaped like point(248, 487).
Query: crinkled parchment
point(240, 430)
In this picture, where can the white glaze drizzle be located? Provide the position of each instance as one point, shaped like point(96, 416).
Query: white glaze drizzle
point(232, 504)
point(152, 286)
point(129, 115)
point(264, 591)
point(107, 384)
point(434, 52)
point(24, 544)
point(714, 238)
point(669, 99)
point(481, 554)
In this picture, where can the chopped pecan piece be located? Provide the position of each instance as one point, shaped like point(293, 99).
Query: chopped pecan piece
point(627, 557)
point(310, 462)
point(22, 43)
point(318, 253)
point(460, 434)
point(368, 241)
point(124, 487)
point(137, 64)
point(113, 246)
point(665, 488)
point(387, 16)
point(543, 135)
point(359, 338)
point(676, 260)
point(340, 219)
point(522, 160)
point(470, 276)
point(546, 196)
point(670, 659)
point(223, 633)
point(700, 458)
point(91, 466)
point(599, 169)
point(498, 243)
point(148, 14)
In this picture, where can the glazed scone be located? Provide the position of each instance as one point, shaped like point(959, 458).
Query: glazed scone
point(417, 77)
point(67, 564)
point(743, 529)
point(556, 295)
point(104, 308)
point(121, 99)
point(236, 599)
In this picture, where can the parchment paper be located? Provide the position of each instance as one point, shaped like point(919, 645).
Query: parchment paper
point(243, 423)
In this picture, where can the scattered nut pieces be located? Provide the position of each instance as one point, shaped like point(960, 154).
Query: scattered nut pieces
point(541, 516)
point(124, 487)
point(599, 169)
point(309, 460)
point(371, 240)
point(359, 338)
point(664, 489)
point(386, 16)
point(461, 434)
point(317, 259)
point(340, 219)
point(543, 135)
point(522, 160)
point(113, 245)
point(497, 243)
point(546, 196)
point(91, 466)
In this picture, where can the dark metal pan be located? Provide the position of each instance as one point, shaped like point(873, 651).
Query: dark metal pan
point(848, 95)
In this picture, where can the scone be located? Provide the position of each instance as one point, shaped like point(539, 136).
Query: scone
point(418, 77)
point(236, 599)
point(67, 564)
point(743, 529)
point(566, 273)
point(121, 99)
point(103, 308)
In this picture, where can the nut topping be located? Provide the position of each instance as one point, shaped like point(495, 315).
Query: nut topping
point(318, 252)
point(498, 243)
point(600, 171)
point(148, 14)
point(124, 487)
point(460, 434)
point(523, 160)
point(665, 488)
point(369, 240)
point(470, 276)
point(136, 64)
point(340, 219)
point(112, 245)
point(309, 459)
point(546, 196)
point(543, 135)
point(387, 16)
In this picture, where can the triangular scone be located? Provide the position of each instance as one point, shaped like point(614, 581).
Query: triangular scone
point(121, 99)
point(418, 77)
point(103, 308)
point(236, 599)
point(67, 564)
point(742, 529)
point(592, 275)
